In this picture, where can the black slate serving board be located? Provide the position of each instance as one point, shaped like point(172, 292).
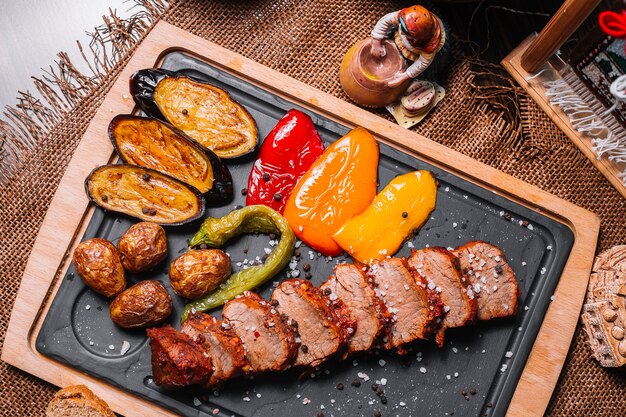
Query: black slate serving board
point(487, 359)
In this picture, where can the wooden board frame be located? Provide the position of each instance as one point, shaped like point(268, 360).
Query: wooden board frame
point(55, 241)
point(537, 91)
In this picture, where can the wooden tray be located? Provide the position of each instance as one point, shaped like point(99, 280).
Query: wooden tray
point(537, 92)
point(55, 241)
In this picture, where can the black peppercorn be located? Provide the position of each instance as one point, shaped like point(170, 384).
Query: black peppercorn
point(377, 413)
point(304, 348)
point(266, 177)
point(356, 383)
point(405, 214)
point(319, 414)
point(375, 387)
point(473, 391)
point(327, 291)
point(525, 223)
point(340, 386)
point(145, 177)
point(383, 399)
point(244, 191)
point(277, 197)
point(185, 112)
point(105, 198)
point(308, 275)
point(306, 266)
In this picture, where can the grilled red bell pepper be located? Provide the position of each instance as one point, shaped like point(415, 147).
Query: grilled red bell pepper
point(285, 155)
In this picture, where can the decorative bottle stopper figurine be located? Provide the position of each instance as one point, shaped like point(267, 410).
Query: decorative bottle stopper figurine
point(377, 71)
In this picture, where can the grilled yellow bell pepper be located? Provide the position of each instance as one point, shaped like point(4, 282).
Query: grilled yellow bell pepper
point(401, 207)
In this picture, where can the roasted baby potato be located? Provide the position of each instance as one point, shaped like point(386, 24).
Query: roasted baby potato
point(145, 304)
point(204, 112)
point(142, 247)
point(198, 272)
point(144, 193)
point(98, 263)
point(154, 144)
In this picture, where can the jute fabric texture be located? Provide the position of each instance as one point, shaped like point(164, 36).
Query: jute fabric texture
point(484, 115)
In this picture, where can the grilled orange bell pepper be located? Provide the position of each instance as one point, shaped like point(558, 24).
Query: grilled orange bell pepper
point(401, 207)
point(340, 184)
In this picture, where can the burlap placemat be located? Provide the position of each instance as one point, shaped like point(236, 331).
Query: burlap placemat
point(492, 121)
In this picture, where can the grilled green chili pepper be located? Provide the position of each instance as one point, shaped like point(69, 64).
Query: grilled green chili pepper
point(215, 232)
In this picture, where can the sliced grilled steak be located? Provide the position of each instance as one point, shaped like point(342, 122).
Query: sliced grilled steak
point(350, 285)
point(493, 280)
point(321, 329)
point(414, 309)
point(177, 361)
point(441, 270)
point(222, 344)
point(269, 340)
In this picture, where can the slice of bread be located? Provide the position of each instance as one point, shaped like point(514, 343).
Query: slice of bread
point(77, 401)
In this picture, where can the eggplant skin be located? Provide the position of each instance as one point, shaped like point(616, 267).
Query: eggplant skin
point(151, 143)
point(205, 113)
point(144, 194)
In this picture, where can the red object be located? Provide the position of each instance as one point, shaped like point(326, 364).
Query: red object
point(286, 154)
point(614, 24)
point(421, 28)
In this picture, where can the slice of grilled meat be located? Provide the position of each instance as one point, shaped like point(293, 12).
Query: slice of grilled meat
point(441, 270)
point(413, 307)
point(350, 285)
point(177, 361)
point(493, 281)
point(221, 343)
point(321, 329)
point(268, 337)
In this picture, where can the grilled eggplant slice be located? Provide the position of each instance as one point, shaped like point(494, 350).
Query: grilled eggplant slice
point(145, 194)
point(154, 144)
point(204, 112)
